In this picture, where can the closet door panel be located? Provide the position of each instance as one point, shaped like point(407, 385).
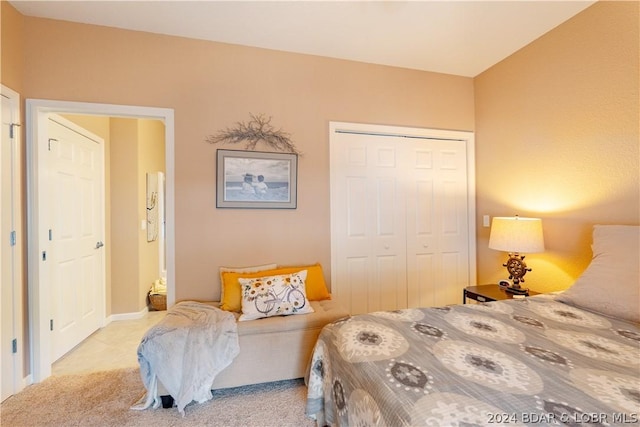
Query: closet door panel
point(390, 293)
point(356, 206)
point(422, 230)
point(450, 275)
point(453, 224)
point(422, 272)
point(357, 274)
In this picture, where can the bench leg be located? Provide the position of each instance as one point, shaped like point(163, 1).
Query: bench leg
point(167, 401)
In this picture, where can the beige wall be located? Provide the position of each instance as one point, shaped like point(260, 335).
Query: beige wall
point(125, 257)
point(556, 132)
point(211, 86)
point(137, 147)
point(557, 138)
point(12, 50)
point(151, 158)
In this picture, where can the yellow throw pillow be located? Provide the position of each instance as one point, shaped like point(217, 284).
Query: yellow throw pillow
point(251, 269)
point(315, 284)
point(232, 294)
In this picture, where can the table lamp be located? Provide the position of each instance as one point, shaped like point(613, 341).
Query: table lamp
point(516, 235)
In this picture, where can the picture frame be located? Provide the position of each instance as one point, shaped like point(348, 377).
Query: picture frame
point(256, 180)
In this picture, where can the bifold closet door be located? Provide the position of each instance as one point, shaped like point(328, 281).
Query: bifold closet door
point(398, 220)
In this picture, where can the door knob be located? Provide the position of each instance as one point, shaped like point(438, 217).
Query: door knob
point(99, 245)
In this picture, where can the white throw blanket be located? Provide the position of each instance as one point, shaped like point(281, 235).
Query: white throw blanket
point(185, 351)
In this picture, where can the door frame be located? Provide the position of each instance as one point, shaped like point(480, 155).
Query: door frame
point(411, 132)
point(18, 261)
point(37, 111)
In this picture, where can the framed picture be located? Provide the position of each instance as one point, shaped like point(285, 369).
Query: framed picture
point(258, 180)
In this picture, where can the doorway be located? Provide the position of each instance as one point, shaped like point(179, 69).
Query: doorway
point(39, 291)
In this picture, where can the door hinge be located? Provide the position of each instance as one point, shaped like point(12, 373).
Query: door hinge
point(51, 324)
point(11, 129)
point(44, 255)
point(12, 238)
point(50, 235)
point(14, 346)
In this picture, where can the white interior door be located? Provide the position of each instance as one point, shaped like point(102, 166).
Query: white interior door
point(10, 246)
point(402, 214)
point(75, 164)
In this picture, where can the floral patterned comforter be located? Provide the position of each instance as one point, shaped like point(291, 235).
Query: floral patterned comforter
point(515, 362)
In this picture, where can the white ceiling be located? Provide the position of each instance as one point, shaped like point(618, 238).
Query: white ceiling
point(453, 37)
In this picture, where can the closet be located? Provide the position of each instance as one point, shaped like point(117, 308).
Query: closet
point(402, 216)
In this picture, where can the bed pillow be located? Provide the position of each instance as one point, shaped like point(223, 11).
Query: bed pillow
point(270, 296)
point(232, 296)
point(251, 269)
point(611, 283)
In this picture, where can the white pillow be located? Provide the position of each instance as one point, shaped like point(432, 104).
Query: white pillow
point(274, 296)
point(611, 283)
point(251, 269)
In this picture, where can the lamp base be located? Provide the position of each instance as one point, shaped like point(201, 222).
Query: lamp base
point(512, 288)
point(517, 268)
point(517, 291)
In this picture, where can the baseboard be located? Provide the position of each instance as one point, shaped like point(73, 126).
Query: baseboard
point(128, 316)
point(26, 381)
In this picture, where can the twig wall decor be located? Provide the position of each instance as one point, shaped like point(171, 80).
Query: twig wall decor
point(257, 129)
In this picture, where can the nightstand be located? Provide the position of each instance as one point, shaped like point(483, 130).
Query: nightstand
point(486, 293)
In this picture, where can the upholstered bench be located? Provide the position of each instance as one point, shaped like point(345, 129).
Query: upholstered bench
point(272, 348)
point(277, 348)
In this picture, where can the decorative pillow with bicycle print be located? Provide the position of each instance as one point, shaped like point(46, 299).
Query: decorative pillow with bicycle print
point(274, 296)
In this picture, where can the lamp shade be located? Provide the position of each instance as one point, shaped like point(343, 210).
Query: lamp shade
point(515, 234)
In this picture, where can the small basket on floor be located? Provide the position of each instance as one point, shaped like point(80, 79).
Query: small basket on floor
point(158, 301)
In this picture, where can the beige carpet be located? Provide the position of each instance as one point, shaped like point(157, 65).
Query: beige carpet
point(104, 399)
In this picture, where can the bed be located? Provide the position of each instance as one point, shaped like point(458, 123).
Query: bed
point(571, 358)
